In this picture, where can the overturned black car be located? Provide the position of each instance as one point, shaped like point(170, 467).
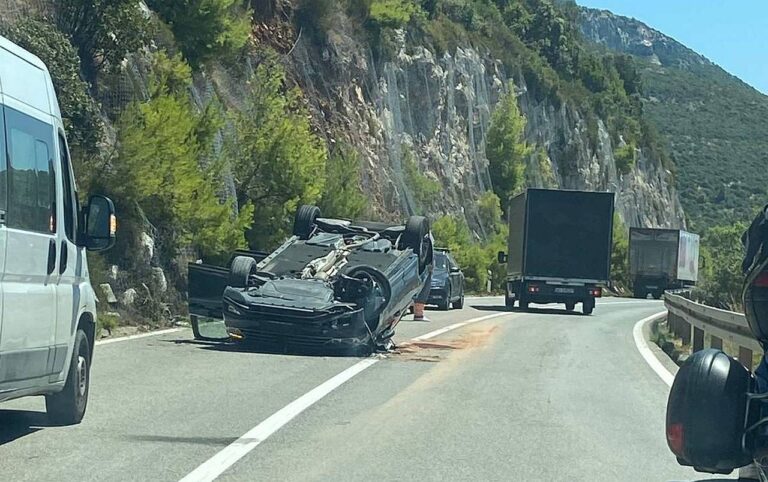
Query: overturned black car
point(335, 284)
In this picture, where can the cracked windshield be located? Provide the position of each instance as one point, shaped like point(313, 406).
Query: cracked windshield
point(503, 240)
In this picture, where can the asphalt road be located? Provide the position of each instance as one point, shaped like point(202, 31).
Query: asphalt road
point(546, 396)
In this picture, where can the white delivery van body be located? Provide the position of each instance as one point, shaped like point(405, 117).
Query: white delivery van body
point(47, 304)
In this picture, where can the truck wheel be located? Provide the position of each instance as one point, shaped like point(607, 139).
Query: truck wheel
point(416, 230)
point(588, 306)
point(524, 304)
point(68, 406)
point(240, 272)
point(641, 295)
point(509, 302)
point(657, 295)
point(458, 305)
point(304, 222)
point(570, 306)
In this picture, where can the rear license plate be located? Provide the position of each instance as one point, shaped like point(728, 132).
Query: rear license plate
point(565, 290)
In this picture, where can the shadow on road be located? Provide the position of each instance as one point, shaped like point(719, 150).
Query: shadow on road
point(15, 424)
point(210, 441)
point(541, 311)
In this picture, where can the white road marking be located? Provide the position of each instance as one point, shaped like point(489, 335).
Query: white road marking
point(647, 353)
point(227, 457)
point(455, 326)
point(136, 337)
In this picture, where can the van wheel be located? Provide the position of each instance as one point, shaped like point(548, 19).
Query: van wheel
point(570, 306)
point(68, 406)
point(588, 306)
point(459, 304)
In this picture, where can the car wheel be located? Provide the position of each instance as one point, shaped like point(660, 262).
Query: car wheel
point(460, 303)
point(68, 406)
point(416, 229)
point(304, 222)
point(570, 306)
point(241, 270)
point(444, 304)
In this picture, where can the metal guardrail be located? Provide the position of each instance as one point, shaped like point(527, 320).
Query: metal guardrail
point(691, 321)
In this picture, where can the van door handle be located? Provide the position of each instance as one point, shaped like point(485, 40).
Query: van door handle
point(64, 257)
point(51, 256)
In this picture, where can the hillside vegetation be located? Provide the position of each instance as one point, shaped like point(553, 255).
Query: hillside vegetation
point(196, 174)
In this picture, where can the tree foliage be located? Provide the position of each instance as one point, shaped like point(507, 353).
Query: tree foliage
point(620, 255)
point(342, 196)
point(278, 162)
point(161, 142)
point(506, 148)
point(206, 29)
point(79, 111)
point(721, 279)
point(103, 31)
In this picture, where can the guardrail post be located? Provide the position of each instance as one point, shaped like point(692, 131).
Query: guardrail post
point(685, 332)
point(698, 339)
point(745, 357)
point(716, 342)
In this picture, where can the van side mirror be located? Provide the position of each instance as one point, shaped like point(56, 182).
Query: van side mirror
point(702, 262)
point(502, 257)
point(99, 224)
point(455, 269)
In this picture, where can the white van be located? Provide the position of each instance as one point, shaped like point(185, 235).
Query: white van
point(47, 304)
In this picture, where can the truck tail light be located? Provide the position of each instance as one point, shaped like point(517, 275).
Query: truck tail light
point(534, 289)
point(596, 292)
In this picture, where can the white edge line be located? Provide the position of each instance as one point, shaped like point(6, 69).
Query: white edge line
point(647, 353)
point(136, 337)
point(229, 455)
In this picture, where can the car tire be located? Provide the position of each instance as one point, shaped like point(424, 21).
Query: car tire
point(444, 304)
point(67, 407)
point(459, 304)
point(241, 270)
point(416, 229)
point(304, 222)
point(588, 306)
point(570, 306)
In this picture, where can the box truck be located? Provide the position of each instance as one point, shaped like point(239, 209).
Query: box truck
point(559, 248)
point(662, 259)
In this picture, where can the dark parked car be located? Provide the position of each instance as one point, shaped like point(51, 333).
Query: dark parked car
point(447, 282)
point(334, 284)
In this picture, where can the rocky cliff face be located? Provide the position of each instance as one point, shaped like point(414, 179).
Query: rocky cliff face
point(439, 109)
point(636, 38)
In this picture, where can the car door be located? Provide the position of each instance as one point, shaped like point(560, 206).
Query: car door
point(29, 291)
point(69, 272)
point(456, 278)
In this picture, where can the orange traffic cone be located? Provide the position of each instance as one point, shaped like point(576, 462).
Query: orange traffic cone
point(418, 311)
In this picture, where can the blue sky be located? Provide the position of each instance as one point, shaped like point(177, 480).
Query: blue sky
point(731, 33)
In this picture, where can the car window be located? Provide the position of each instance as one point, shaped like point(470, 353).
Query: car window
point(441, 261)
point(31, 175)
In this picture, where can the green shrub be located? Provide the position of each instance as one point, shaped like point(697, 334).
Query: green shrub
point(103, 31)
point(721, 279)
point(506, 148)
point(161, 142)
point(279, 162)
point(625, 158)
point(620, 254)
point(424, 189)
point(206, 29)
point(342, 197)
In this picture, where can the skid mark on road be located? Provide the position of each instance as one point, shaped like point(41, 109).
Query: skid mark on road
point(434, 351)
